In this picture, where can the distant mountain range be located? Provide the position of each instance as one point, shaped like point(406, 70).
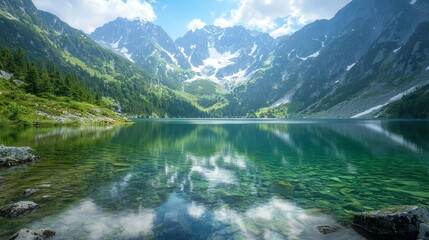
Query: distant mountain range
point(357, 64)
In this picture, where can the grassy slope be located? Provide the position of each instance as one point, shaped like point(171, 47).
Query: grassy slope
point(18, 108)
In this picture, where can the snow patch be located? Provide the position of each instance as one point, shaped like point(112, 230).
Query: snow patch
point(171, 57)
point(413, 1)
point(427, 69)
point(116, 44)
point(393, 99)
point(213, 64)
point(253, 49)
point(316, 54)
point(182, 50)
point(221, 36)
point(397, 50)
point(237, 77)
point(124, 51)
point(288, 55)
point(349, 67)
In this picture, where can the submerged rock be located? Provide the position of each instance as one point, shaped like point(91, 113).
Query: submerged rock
point(175, 226)
point(327, 229)
point(400, 222)
point(19, 208)
point(28, 234)
point(424, 231)
point(12, 156)
point(30, 191)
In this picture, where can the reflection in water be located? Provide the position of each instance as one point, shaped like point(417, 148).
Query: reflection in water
point(89, 221)
point(217, 179)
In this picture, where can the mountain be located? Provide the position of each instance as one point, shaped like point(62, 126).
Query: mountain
point(148, 46)
point(370, 54)
point(371, 59)
point(227, 56)
point(44, 37)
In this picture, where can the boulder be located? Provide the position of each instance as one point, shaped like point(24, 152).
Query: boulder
point(424, 231)
point(30, 191)
point(17, 209)
point(12, 156)
point(5, 75)
point(28, 234)
point(399, 222)
point(327, 229)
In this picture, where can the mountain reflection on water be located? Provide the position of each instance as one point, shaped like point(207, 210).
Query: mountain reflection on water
point(196, 178)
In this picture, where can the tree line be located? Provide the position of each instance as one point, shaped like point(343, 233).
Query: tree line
point(43, 80)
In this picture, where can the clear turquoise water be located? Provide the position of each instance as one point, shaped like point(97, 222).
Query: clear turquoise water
point(215, 179)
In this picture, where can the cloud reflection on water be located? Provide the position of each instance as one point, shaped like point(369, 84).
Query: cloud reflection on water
point(89, 221)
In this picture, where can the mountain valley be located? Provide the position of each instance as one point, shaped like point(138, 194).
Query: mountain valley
point(355, 65)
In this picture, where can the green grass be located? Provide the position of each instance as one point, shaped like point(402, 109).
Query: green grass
point(271, 112)
point(18, 108)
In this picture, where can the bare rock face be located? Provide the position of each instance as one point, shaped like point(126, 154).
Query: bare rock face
point(400, 222)
point(17, 209)
point(12, 156)
point(27, 234)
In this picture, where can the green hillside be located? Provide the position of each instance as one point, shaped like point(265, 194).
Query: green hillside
point(45, 37)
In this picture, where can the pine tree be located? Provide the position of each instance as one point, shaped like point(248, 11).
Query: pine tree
point(6, 60)
point(32, 79)
point(46, 83)
point(19, 64)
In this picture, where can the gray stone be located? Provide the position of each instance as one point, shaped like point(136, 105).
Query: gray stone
point(5, 75)
point(400, 222)
point(28, 234)
point(12, 156)
point(424, 231)
point(18, 82)
point(30, 191)
point(17, 209)
point(327, 229)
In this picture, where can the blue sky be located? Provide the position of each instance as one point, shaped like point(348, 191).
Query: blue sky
point(175, 15)
point(276, 17)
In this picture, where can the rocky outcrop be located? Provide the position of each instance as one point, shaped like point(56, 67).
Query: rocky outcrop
point(27, 234)
point(400, 222)
point(17, 209)
point(12, 156)
point(424, 231)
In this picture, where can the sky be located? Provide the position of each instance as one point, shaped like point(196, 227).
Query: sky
point(176, 17)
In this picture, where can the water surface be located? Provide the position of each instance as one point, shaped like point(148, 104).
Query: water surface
point(205, 179)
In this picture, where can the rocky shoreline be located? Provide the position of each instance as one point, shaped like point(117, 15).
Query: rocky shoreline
point(12, 156)
point(398, 222)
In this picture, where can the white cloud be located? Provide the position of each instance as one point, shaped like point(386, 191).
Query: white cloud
point(196, 24)
point(265, 15)
point(87, 15)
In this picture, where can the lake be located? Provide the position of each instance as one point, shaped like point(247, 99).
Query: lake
point(215, 179)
